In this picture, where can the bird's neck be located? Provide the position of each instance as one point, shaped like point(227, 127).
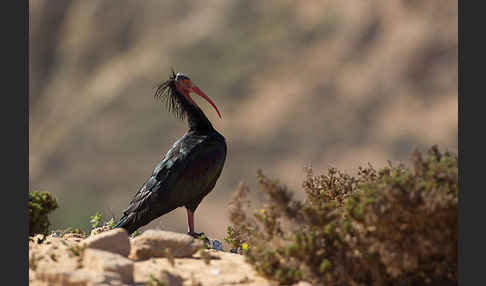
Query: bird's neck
point(197, 120)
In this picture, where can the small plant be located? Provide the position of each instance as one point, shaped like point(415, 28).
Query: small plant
point(96, 220)
point(154, 281)
point(136, 233)
point(242, 226)
point(111, 223)
point(40, 205)
point(233, 238)
point(99, 225)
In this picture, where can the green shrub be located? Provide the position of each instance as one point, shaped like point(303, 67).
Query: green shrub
point(393, 226)
point(96, 220)
point(136, 233)
point(98, 224)
point(40, 205)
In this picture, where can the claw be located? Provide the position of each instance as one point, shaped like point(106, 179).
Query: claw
point(200, 236)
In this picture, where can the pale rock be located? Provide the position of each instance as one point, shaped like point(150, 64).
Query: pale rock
point(79, 277)
point(76, 237)
point(52, 255)
point(100, 229)
point(38, 283)
point(157, 243)
point(166, 278)
point(302, 283)
point(103, 261)
point(31, 275)
point(115, 240)
point(224, 269)
point(57, 261)
point(109, 279)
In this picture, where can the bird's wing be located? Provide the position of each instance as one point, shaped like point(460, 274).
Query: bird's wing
point(199, 175)
point(159, 177)
point(184, 164)
point(186, 174)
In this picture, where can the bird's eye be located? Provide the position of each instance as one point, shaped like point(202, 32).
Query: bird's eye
point(181, 76)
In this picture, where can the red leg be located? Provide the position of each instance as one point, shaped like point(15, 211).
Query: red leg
point(190, 221)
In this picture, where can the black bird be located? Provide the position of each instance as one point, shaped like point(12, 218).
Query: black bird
point(189, 170)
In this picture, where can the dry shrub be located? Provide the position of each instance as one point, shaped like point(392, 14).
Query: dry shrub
point(393, 226)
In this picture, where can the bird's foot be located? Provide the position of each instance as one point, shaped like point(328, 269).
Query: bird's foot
point(201, 236)
point(195, 234)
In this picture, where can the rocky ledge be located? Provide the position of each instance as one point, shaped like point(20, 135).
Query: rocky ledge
point(153, 258)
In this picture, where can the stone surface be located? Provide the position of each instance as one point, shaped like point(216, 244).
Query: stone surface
point(100, 229)
point(163, 277)
point(115, 240)
point(224, 269)
point(76, 237)
point(79, 277)
point(53, 254)
point(60, 261)
point(302, 283)
point(103, 261)
point(109, 278)
point(155, 243)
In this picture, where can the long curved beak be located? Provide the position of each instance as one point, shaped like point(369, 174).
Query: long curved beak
point(199, 92)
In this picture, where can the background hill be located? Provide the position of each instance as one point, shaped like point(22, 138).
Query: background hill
point(321, 83)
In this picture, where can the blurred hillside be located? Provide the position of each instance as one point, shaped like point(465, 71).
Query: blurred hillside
point(321, 83)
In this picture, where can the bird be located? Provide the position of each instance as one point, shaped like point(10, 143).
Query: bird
point(189, 170)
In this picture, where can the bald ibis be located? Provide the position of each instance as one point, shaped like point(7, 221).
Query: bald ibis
point(189, 170)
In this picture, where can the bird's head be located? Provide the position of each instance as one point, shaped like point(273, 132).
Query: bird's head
point(180, 85)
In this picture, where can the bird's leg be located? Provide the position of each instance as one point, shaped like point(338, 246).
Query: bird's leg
point(190, 222)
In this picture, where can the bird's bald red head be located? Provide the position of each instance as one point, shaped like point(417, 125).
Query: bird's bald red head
point(185, 86)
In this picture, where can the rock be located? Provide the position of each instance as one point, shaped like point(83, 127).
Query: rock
point(109, 279)
point(164, 277)
point(170, 279)
point(79, 277)
point(31, 275)
point(53, 254)
point(157, 243)
point(55, 278)
point(104, 261)
point(302, 283)
point(57, 261)
point(76, 237)
point(115, 240)
point(100, 229)
point(224, 269)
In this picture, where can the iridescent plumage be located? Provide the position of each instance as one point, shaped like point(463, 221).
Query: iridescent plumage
point(189, 170)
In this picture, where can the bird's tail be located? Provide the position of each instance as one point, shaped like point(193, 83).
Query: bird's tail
point(126, 222)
